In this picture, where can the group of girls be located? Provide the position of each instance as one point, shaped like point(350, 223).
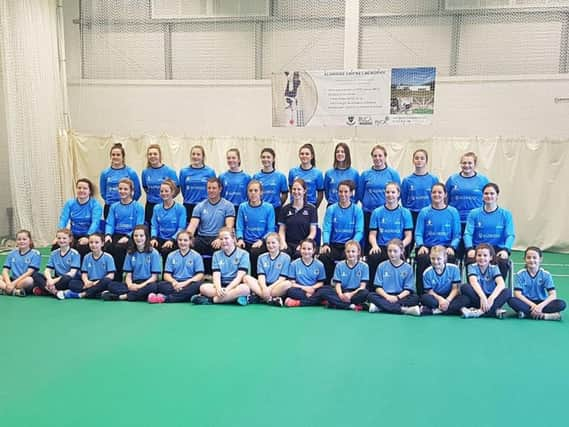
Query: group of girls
point(280, 280)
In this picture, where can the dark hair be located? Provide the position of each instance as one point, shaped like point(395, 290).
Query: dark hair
point(216, 180)
point(348, 183)
point(132, 246)
point(490, 249)
point(421, 150)
point(310, 241)
point(302, 183)
point(255, 181)
point(309, 147)
point(348, 161)
point(118, 146)
point(89, 184)
point(236, 151)
point(394, 184)
point(99, 235)
point(27, 233)
point(271, 152)
point(535, 249)
point(492, 185)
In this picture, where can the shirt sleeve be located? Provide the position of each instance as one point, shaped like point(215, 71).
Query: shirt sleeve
point(96, 214)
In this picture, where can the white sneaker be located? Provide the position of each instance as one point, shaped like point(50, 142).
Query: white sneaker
point(437, 311)
point(521, 315)
point(412, 311)
point(551, 316)
point(373, 308)
point(500, 313)
point(471, 313)
point(60, 295)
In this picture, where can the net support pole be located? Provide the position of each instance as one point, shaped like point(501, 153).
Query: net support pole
point(352, 35)
point(62, 65)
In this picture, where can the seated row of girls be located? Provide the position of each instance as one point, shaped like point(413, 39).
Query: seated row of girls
point(302, 282)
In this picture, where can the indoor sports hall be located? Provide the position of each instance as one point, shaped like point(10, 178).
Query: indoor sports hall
point(78, 77)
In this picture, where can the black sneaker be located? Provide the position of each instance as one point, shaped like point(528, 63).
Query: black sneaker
point(253, 299)
point(200, 300)
point(276, 301)
point(108, 296)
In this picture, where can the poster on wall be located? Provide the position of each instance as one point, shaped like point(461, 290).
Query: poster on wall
point(381, 97)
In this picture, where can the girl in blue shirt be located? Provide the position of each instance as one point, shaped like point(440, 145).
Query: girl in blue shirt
point(168, 219)
point(534, 292)
point(19, 267)
point(97, 272)
point(350, 280)
point(123, 216)
point(183, 274)
point(490, 224)
point(275, 187)
point(311, 175)
point(371, 190)
point(230, 266)
point(342, 171)
point(152, 177)
point(416, 188)
point(142, 265)
point(394, 284)
point(465, 191)
point(255, 220)
point(234, 181)
point(306, 276)
point(390, 221)
point(441, 283)
point(82, 215)
point(485, 289)
point(63, 266)
point(438, 224)
point(193, 180)
point(273, 266)
point(110, 177)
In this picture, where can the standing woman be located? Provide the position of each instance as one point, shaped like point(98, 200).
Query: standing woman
point(193, 180)
point(168, 219)
point(342, 171)
point(234, 181)
point(437, 225)
point(255, 220)
point(465, 191)
point(416, 188)
point(123, 217)
point(83, 214)
point(298, 220)
point(153, 176)
point(493, 225)
point(311, 175)
point(275, 187)
point(390, 221)
point(371, 191)
point(110, 177)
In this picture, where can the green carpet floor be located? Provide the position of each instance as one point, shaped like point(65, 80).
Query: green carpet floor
point(93, 363)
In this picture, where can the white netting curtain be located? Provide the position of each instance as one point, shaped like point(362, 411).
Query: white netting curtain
point(32, 90)
point(531, 174)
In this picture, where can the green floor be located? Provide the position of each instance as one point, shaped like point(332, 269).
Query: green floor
point(90, 363)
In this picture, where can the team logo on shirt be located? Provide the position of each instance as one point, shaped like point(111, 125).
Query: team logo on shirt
point(403, 274)
point(190, 262)
point(305, 213)
point(358, 274)
point(316, 271)
point(279, 265)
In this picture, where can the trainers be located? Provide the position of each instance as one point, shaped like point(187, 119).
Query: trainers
point(291, 302)
point(60, 295)
point(471, 313)
point(200, 300)
point(19, 292)
point(414, 310)
point(437, 311)
point(373, 308)
point(500, 313)
point(242, 300)
point(156, 298)
point(276, 301)
point(37, 291)
point(109, 296)
point(252, 299)
point(521, 315)
point(551, 316)
point(356, 307)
